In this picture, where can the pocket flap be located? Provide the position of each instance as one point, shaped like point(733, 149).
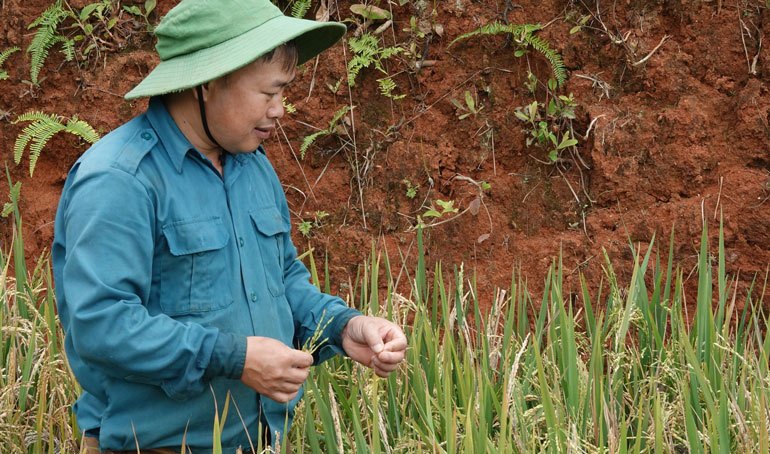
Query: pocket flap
point(268, 221)
point(197, 235)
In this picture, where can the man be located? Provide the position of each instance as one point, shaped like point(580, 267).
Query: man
point(177, 281)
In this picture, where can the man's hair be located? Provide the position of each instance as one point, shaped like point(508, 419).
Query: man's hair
point(287, 52)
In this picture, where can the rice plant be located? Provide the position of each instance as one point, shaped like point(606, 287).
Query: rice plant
point(621, 371)
point(617, 370)
point(37, 387)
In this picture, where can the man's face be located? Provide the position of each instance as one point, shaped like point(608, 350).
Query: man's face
point(242, 108)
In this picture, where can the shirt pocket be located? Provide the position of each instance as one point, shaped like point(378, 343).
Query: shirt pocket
point(269, 231)
point(193, 275)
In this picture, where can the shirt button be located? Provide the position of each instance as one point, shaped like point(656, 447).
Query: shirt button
point(253, 296)
point(240, 241)
point(146, 136)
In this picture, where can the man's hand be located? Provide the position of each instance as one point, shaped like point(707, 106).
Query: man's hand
point(273, 369)
point(374, 342)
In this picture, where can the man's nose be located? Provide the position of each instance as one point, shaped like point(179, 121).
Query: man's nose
point(275, 109)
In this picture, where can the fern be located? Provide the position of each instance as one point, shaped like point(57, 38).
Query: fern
point(557, 64)
point(300, 8)
point(68, 47)
point(40, 131)
point(524, 36)
point(45, 38)
point(307, 141)
point(3, 57)
point(367, 51)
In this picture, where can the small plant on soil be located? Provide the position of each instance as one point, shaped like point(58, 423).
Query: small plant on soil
point(471, 106)
point(411, 189)
point(305, 227)
point(444, 207)
point(13, 195)
point(3, 57)
point(149, 6)
point(524, 37)
point(42, 128)
point(549, 123)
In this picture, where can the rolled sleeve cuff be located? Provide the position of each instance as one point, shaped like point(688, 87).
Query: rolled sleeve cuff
point(227, 357)
point(333, 345)
point(338, 324)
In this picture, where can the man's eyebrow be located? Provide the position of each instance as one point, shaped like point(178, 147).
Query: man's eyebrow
point(280, 84)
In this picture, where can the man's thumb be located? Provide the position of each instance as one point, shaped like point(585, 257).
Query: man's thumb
point(373, 339)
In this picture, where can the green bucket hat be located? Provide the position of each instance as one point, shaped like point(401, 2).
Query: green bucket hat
point(202, 40)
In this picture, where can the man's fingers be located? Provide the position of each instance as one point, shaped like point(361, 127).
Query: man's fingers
point(300, 359)
point(385, 366)
point(395, 340)
point(297, 375)
point(283, 397)
point(391, 356)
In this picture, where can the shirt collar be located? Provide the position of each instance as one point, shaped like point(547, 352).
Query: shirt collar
point(175, 143)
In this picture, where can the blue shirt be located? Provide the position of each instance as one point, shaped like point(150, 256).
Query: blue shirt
point(162, 268)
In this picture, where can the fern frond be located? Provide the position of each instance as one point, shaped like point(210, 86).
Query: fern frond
point(34, 115)
point(42, 127)
point(26, 134)
point(45, 37)
point(307, 141)
point(367, 51)
point(51, 16)
point(300, 8)
point(38, 142)
point(524, 35)
point(557, 64)
point(3, 57)
point(337, 115)
point(496, 28)
point(6, 53)
point(68, 47)
point(82, 129)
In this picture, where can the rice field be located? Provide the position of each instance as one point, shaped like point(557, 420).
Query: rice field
point(621, 370)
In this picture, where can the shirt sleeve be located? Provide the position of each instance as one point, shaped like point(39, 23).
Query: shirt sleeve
point(109, 228)
point(310, 307)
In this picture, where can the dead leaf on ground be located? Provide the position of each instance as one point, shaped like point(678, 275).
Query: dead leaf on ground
point(323, 14)
point(474, 206)
point(370, 12)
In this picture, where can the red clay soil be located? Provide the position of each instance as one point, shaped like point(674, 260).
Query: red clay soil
point(675, 94)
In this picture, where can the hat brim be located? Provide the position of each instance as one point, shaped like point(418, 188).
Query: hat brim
point(190, 70)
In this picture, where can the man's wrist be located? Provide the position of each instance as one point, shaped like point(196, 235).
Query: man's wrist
point(339, 324)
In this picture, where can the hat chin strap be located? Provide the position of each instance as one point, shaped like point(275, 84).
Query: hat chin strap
point(202, 107)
